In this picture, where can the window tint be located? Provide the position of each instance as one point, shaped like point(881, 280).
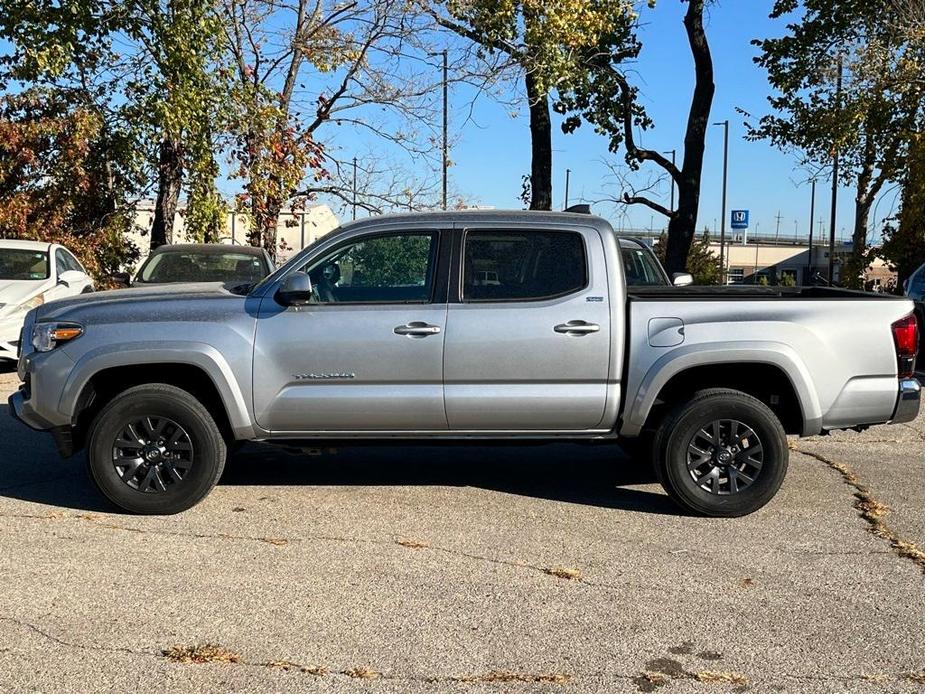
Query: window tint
point(397, 268)
point(21, 264)
point(639, 266)
point(202, 266)
point(917, 284)
point(519, 266)
point(60, 262)
point(72, 262)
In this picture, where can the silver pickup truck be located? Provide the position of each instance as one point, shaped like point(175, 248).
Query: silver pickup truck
point(467, 326)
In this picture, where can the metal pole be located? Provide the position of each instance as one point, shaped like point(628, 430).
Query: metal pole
point(354, 187)
point(672, 152)
point(302, 227)
point(446, 146)
point(722, 232)
point(812, 213)
point(567, 173)
point(835, 164)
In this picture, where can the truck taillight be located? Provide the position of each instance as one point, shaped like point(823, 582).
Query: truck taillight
point(906, 339)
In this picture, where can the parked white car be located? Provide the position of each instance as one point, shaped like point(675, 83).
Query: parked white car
point(31, 274)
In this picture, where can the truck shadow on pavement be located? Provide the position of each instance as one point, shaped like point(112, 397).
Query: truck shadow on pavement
point(31, 470)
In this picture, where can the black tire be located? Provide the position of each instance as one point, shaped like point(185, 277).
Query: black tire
point(156, 402)
point(681, 434)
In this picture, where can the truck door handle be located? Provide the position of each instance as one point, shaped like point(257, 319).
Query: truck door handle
point(417, 329)
point(577, 327)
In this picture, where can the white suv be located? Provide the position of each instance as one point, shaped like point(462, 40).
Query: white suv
point(31, 273)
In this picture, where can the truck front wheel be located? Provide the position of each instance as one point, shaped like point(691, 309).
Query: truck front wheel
point(721, 453)
point(155, 449)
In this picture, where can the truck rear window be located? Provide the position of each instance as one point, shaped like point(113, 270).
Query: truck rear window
point(523, 266)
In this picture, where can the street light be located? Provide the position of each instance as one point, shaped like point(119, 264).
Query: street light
point(812, 213)
point(567, 174)
point(722, 233)
point(835, 164)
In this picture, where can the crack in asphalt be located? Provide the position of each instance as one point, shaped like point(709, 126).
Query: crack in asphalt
point(918, 433)
point(70, 644)
point(490, 677)
point(871, 510)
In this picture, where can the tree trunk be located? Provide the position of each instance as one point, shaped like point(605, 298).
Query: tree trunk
point(540, 146)
point(853, 275)
point(683, 224)
point(169, 180)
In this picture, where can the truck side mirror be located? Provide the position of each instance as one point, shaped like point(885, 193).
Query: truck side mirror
point(682, 279)
point(296, 290)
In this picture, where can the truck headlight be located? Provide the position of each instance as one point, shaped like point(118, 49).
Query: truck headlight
point(47, 336)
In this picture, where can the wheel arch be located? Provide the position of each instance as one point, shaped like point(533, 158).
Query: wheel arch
point(771, 372)
point(197, 369)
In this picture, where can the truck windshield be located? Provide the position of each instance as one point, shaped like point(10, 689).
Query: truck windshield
point(22, 264)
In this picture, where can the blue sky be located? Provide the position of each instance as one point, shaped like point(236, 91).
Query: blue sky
point(490, 160)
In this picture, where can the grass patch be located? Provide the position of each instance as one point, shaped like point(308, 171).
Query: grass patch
point(362, 673)
point(412, 544)
point(505, 676)
point(713, 677)
point(564, 572)
point(206, 653)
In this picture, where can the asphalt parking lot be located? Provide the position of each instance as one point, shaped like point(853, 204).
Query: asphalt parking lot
point(406, 569)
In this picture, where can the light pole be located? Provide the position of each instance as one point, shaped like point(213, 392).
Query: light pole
point(835, 163)
point(567, 174)
point(722, 232)
point(673, 153)
point(812, 213)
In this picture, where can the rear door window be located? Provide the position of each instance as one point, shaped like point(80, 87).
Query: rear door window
point(523, 266)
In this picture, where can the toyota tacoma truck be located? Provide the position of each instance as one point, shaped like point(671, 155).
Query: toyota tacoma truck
point(474, 326)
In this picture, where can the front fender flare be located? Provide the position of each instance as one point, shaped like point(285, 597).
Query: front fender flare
point(198, 354)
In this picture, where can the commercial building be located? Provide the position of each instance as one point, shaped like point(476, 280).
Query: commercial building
point(748, 258)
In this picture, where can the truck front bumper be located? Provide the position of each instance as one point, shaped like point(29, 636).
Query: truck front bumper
point(21, 409)
point(907, 406)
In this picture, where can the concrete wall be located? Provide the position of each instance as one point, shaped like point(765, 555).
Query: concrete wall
point(295, 228)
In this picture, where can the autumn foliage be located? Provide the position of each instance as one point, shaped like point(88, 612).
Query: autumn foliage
point(58, 183)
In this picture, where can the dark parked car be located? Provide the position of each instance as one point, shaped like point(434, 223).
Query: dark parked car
point(643, 269)
point(203, 262)
point(915, 289)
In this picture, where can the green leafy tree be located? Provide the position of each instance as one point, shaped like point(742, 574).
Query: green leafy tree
point(701, 262)
point(545, 42)
point(145, 67)
point(904, 238)
point(847, 79)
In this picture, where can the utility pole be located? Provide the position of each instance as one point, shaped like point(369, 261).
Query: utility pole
point(672, 152)
point(722, 232)
point(812, 213)
point(446, 118)
point(777, 229)
point(835, 163)
point(354, 187)
point(567, 173)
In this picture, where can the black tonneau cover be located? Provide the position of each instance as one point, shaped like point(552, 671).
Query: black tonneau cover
point(749, 292)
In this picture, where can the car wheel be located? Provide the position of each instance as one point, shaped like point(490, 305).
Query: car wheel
point(155, 449)
point(721, 453)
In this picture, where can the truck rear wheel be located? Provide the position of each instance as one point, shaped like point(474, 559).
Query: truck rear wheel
point(155, 449)
point(721, 453)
